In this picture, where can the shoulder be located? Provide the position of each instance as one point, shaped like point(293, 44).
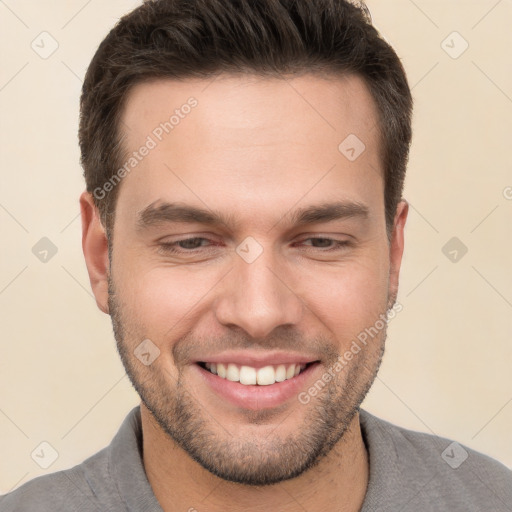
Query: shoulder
point(434, 468)
point(111, 480)
point(77, 488)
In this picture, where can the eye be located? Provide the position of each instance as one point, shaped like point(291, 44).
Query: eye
point(183, 246)
point(192, 245)
point(329, 244)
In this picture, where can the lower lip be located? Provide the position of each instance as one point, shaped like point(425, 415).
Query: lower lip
point(256, 397)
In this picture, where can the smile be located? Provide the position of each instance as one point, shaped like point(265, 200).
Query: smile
point(247, 387)
point(250, 376)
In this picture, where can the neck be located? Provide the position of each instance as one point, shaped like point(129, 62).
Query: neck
point(180, 483)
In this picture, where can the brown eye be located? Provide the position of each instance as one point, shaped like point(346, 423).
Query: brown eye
point(183, 246)
point(190, 243)
point(329, 244)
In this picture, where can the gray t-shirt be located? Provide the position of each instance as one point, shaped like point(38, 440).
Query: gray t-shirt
point(409, 471)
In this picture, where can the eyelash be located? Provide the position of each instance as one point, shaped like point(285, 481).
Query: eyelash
point(171, 247)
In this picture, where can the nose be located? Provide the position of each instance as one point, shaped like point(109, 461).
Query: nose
point(258, 297)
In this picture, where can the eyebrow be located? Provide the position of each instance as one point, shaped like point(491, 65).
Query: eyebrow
point(160, 212)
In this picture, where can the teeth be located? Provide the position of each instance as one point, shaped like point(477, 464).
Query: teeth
point(281, 373)
point(250, 376)
point(266, 376)
point(233, 373)
point(221, 370)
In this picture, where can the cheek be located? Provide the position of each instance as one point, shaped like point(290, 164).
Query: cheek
point(163, 300)
point(349, 298)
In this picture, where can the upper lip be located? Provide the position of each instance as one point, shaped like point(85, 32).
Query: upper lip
point(258, 359)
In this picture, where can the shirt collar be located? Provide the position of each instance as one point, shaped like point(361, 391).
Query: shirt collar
point(126, 466)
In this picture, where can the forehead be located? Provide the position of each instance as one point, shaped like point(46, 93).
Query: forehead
point(251, 141)
point(241, 106)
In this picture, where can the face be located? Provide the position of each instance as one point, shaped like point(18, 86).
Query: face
point(244, 236)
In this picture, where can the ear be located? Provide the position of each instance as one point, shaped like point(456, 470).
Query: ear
point(396, 249)
point(95, 248)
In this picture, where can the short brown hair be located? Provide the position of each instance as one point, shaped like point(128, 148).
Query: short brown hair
point(179, 39)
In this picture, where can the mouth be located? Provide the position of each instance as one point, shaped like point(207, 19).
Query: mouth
point(255, 388)
point(252, 376)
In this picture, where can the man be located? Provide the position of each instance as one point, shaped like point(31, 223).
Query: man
point(243, 225)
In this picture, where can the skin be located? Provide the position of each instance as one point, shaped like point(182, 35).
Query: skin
point(257, 149)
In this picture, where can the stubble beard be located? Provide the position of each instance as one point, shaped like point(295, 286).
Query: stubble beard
point(227, 451)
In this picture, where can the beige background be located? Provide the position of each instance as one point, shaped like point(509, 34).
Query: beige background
point(449, 352)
